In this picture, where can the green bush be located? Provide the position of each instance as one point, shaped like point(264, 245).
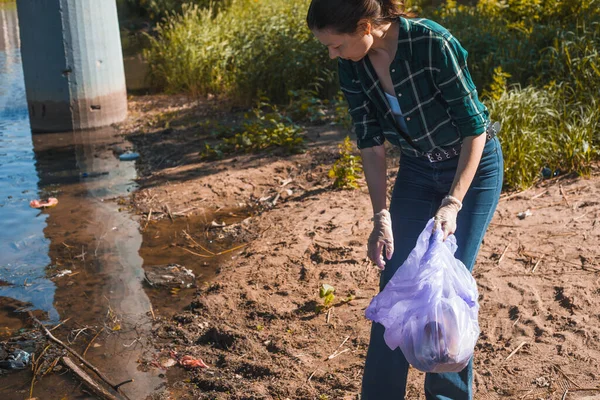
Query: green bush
point(156, 10)
point(536, 42)
point(250, 47)
point(264, 128)
point(543, 128)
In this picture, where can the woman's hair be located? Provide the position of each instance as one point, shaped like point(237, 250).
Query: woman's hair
point(343, 16)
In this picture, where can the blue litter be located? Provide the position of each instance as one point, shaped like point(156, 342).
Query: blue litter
point(546, 173)
point(129, 156)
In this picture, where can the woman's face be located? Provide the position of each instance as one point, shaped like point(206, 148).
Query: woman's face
point(347, 46)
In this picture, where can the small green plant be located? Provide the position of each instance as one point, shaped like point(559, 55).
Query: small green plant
point(323, 397)
point(341, 116)
point(347, 168)
point(305, 105)
point(327, 294)
point(265, 128)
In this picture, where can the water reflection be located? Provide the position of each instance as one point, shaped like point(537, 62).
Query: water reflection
point(99, 244)
point(23, 246)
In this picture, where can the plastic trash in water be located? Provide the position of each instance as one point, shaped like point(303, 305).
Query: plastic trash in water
point(129, 156)
point(51, 202)
point(18, 359)
point(429, 308)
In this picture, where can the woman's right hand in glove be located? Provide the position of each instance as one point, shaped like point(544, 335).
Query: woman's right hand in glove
point(381, 238)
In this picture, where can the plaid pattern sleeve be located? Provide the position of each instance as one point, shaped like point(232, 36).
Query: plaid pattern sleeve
point(363, 112)
point(456, 86)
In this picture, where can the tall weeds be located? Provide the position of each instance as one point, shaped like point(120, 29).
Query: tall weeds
point(250, 47)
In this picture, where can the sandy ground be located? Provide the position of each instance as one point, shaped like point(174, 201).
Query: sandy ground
point(255, 323)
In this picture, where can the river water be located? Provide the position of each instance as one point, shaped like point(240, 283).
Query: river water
point(87, 233)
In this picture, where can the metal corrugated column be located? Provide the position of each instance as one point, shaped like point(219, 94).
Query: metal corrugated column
point(72, 63)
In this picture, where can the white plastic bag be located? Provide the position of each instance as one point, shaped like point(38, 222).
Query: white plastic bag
point(429, 308)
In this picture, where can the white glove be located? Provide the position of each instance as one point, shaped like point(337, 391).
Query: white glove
point(381, 236)
point(445, 217)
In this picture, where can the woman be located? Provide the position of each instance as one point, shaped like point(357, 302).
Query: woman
point(406, 81)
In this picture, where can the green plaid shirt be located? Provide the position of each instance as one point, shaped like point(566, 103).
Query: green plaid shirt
point(434, 89)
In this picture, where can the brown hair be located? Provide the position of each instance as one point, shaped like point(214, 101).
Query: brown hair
point(343, 16)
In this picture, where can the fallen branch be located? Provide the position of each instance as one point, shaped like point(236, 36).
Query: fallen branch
point(70, 350)
point(88, 381)
point(536, 264)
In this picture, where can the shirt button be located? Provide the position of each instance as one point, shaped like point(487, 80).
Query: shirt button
point(393, 70)
point(408, 119)
point(399, 94)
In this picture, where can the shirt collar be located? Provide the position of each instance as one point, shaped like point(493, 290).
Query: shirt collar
point(404, 51)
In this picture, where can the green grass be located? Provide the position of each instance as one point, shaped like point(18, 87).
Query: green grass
point(250, 47)
point(543, 128)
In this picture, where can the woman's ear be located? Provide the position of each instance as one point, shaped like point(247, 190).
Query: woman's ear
point(364, 27)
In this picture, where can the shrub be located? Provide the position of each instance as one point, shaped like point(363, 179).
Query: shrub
point(347, 169)
point(541, 127)
point(247, 48)
point(265, 128)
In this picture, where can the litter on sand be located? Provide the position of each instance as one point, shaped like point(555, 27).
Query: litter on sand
point(129, 156)
point(51, 202)
point(191, 362)
point(524, 214)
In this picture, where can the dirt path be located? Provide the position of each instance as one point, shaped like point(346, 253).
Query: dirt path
point(255, 324)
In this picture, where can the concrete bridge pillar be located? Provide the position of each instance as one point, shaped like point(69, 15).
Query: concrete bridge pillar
point(72, 64)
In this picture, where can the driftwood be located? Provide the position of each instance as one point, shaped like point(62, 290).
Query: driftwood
point(83, 360)
point(88, 381)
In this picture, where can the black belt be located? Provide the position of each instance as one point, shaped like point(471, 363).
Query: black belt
point(447, 153)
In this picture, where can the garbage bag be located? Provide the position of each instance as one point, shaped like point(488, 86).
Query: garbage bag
point(429, 307)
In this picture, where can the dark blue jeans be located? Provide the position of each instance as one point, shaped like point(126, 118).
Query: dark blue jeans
point(418, 192)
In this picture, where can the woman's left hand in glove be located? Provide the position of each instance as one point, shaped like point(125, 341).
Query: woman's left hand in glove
point(445, 217)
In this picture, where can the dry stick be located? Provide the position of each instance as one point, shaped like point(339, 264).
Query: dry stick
point(331, 357)
point(91, 341)
point(194, 253)
point(539, 195)
point(95, 387)
point(556, 367)
point(504, 253)
point(232, 249)
point(36, 370)
point(60, 322)
point(505, 225)
point(328, 316)
point(148, 219)
point(169, 212)
point(196, 243)
point(83, 360)
point(311, 375)
point(51, 366)
point(564, 396)
point(515, 350)
point(513, 195)
point(339, 347)
point(536, 264)
point(564, 195)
